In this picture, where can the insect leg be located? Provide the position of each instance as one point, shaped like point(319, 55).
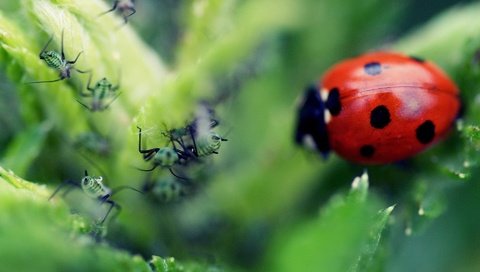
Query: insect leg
point(195, 150)
point(46, 81)
point(125, 18)
point(111, 101)
point(67, 182)
point(115, 4)
point(177, 176)
point(148, 153)
point(88, 84)
point(75, 60)
point(81, 103)
point(83, 71)
point(148, 170)
point(113, 204)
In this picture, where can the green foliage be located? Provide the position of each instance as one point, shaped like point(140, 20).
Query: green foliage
point(257, 201)
point(344, 238)
point(32, 226)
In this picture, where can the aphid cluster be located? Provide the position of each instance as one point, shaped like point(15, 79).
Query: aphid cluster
point(90, 141)
point(186, 145)
point(101, 95)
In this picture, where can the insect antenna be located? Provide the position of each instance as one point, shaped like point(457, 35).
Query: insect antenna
point(45, 47)
point(61, 46)
point(147, 170)
point(119, 80)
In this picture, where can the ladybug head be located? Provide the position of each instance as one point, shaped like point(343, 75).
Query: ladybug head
point(311, 127)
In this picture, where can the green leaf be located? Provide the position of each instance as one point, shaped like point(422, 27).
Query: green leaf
point(25, 148)
point(344, 237)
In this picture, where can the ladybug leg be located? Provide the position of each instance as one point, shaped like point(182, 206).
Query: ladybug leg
point(461, 110)
point(311, 124)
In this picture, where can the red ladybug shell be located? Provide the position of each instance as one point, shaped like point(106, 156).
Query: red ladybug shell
point(384, 107)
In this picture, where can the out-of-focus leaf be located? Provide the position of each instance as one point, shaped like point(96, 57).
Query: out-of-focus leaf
point(25, 148)
point(348, 230)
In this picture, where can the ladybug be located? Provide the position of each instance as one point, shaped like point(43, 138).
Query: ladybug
point(378, 108)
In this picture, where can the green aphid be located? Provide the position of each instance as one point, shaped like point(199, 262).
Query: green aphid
point(165, 157)
point(208, 144)
point(99, 94)
point(196, 142)
point(94, 188)
point(169, 190)
point(94, 143)
point(58, 62)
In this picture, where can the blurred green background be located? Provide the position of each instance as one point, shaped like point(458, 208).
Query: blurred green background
point(261, 204)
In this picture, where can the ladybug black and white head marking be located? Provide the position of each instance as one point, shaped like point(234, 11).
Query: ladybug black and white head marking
point(333, 102)
point(311, 126)
point(315, 112)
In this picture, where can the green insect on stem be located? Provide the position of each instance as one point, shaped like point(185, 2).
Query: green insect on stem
point(170, 190)
point(165, 157)
point(94, 188)
point(194, 142)
point(94, 143)
point(58, 61)
point(208, 144)
point(99, 93)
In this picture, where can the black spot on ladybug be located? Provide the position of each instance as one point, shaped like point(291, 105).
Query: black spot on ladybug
point(380, 117)
point(425, 132)
point(417, 59)
point(333, 102)
point(367, 151)
point(373, 68)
